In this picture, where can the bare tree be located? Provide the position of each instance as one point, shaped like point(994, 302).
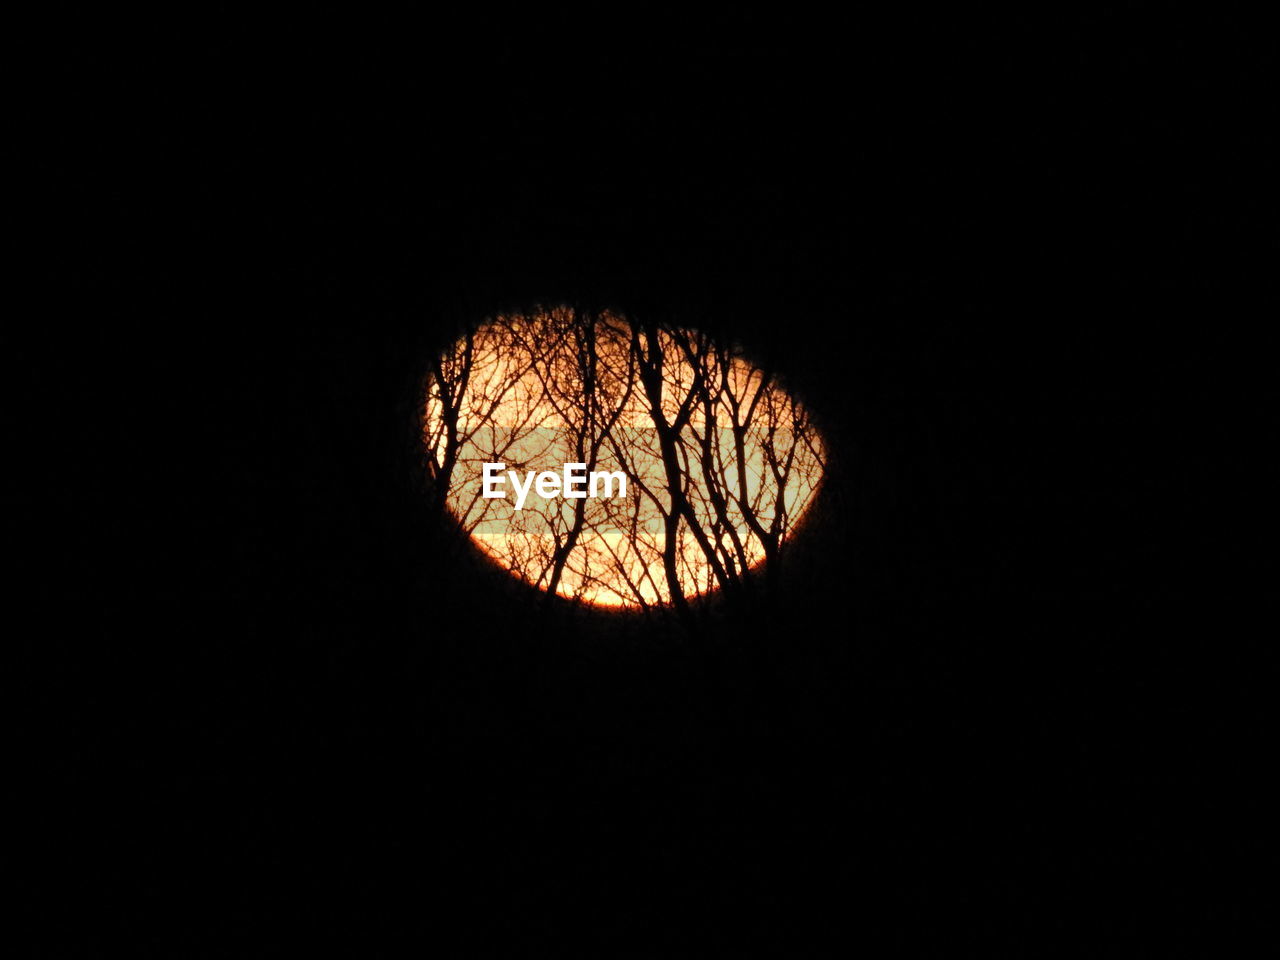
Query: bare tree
point(720, 460)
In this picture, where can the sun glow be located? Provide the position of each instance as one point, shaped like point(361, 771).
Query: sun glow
point(720, 461)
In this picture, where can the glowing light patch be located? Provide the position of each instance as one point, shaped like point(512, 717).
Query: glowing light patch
point(717, 462)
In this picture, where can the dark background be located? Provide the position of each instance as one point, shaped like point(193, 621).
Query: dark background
point(984, 709)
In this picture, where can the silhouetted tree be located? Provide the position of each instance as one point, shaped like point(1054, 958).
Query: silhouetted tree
point(720, 461)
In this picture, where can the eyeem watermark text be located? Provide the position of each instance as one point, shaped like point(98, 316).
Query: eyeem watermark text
point(573, 484)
